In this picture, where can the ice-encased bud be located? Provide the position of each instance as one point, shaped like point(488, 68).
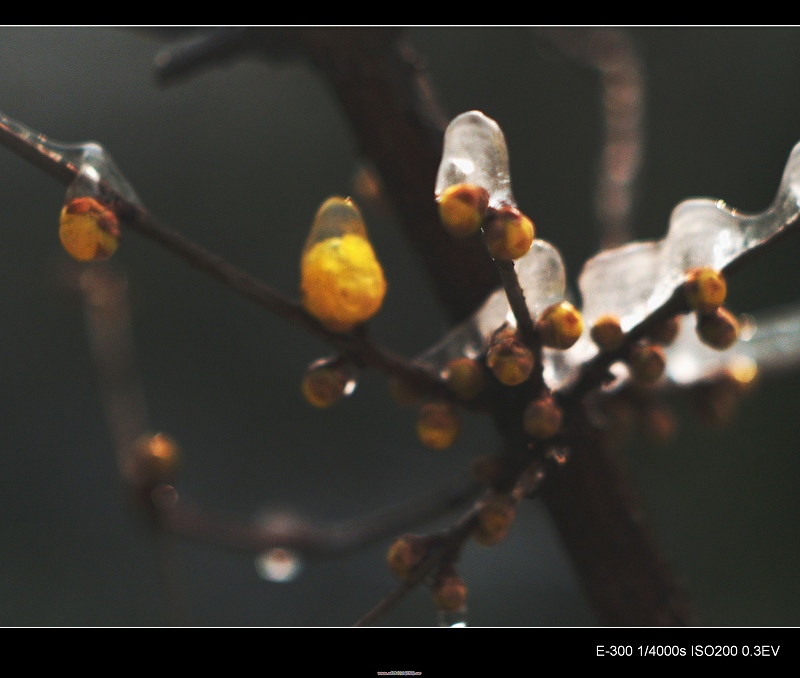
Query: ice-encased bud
point(542, 277)
point(635, 279)
point(341, 279)
point(475, 153)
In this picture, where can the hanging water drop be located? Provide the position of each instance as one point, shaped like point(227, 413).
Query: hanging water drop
point(278, 564)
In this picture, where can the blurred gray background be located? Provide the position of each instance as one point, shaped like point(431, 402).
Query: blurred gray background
point(239, 159)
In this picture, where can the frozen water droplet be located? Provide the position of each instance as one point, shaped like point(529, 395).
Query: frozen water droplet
point(475, 152)
point(453, 620)
point(278, 565)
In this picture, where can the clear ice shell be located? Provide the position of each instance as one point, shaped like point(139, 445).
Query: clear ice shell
point(542, 277)
point(619, 282)
point(543, 280)
point(635, 279)
point(475, 152)
point(90, 160)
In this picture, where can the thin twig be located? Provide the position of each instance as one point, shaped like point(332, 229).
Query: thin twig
point(28, 144)
point(453, 539)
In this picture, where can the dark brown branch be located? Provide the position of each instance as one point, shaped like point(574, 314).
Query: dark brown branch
point(452, 541)
point(386, 96)
point(19, 139)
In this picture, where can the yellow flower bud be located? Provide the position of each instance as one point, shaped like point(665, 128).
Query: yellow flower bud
point(508, 233)
point(88, 230)
point(465, 377)
point(705, 289)
point(509, 359)
point(438, 425)
point(462, 207)
point(560, 325)
point(341, 279)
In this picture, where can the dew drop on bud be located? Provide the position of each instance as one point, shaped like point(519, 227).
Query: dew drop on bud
point(278, 564)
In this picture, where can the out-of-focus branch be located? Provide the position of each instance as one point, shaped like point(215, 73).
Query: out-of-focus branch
point(108, 325)
point(612, 53)
point(312, 538)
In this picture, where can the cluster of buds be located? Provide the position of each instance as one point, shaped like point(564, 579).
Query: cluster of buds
point(464, 209)
point(705, 291)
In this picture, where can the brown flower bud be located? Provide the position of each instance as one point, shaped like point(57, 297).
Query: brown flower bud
point(719, 329)
point(542, 418)
point(405, 554)
point(607, 333)
point(324, 383)
point(450, 593)
point(494, 520)
point(647, 363)
point(666, 331)
point(152, 459)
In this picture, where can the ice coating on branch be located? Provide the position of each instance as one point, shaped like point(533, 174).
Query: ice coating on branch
point(475, 152)
point(470, 338)
point(96, 170)
point(619, 282)
point(771, 341)
point(542, 277)
point(635, 279)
